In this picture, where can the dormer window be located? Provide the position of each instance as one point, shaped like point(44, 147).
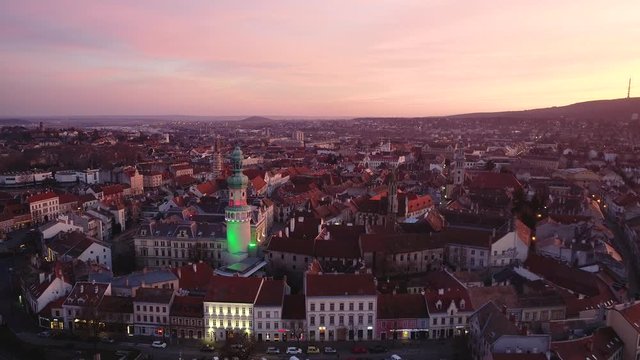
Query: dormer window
point(439, 305)
point(461, 304)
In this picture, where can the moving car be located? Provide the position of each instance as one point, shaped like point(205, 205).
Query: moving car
point(313, 349)
point(273, 350)
point(292, 350)
point(329, 350)
point(358, 349)
point(159, 344)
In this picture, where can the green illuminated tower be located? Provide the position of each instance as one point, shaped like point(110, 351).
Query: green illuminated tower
point(237, 213)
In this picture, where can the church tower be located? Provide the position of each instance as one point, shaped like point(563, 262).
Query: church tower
point(392, 206)
point(217, 165)
point(238, 213)
point(458, 165)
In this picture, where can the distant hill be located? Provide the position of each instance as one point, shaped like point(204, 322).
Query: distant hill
point(620, 109)
point(256, 121)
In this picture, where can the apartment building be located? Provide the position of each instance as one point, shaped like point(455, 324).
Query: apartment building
point(340, 306)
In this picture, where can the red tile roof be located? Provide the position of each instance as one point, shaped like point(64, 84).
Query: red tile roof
point(187, 306)
point(442, 286)
point(42, 196)
point(489, 180)
point(601, 345)
point(293, 307)
point(153, 295)
point(632, 315)
point(272, 293)
point(233, 289)
point(402, 306)
point(194, 277)
point(340, 285)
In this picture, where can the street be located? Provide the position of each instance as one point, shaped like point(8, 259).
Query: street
point(65, 349)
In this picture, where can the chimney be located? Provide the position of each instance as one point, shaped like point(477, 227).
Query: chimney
point(440, 291)
point(195, 268)
point(179, 273)
point(292, 225)
point(286, 231)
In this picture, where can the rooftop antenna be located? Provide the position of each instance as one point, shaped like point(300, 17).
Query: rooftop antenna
point(629, 89)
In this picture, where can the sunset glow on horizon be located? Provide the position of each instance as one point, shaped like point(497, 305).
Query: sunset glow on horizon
point(313, 58)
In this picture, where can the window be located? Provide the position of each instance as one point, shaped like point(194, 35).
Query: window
point(321, 306)
point(259, 325)
point(144, 308)
point(435, 321)
point(331, 307)
point(360, 319)
point(341, 306)
point(312, 320)
point(441, 321)
point(350, 306)
point(259, 314)
point(361, 306)
point(312, 307)
point(370, 319)
point(350, 319)
point(331, 320)
point(341, 320)
point(321, 319)
point(268, 314)
point(371, 306)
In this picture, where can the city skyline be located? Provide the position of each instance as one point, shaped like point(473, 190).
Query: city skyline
point(410, 58)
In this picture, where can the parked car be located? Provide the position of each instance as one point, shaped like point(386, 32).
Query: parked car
point(44, 334)
point(377, 349)
point(107, 340)
point(273, 350)
point(329, 350)
point(358, 349)
point(159, 344)
point(292, 350)
point(313, 349)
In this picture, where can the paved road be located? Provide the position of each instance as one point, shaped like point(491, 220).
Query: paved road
point(410, 351)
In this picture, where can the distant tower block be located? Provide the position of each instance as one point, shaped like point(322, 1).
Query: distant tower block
point(298, 135)
point(217, 163)
point(238, 212)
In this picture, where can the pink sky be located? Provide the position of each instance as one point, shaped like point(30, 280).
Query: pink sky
point(313, 58)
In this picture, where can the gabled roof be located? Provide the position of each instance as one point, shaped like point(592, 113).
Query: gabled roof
point(87, 294)
point(493, 323)
point(272, 293)
point(442, 289)
point(294, 308)
point(402, 306)
point(233, 289)
point(194, 277)
point(187, 306)
point(42, 196)
point(601, 345)
point(153, 295)
point(340, 285)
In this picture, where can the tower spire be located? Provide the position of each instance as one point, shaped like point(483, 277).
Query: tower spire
point(629, 89)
